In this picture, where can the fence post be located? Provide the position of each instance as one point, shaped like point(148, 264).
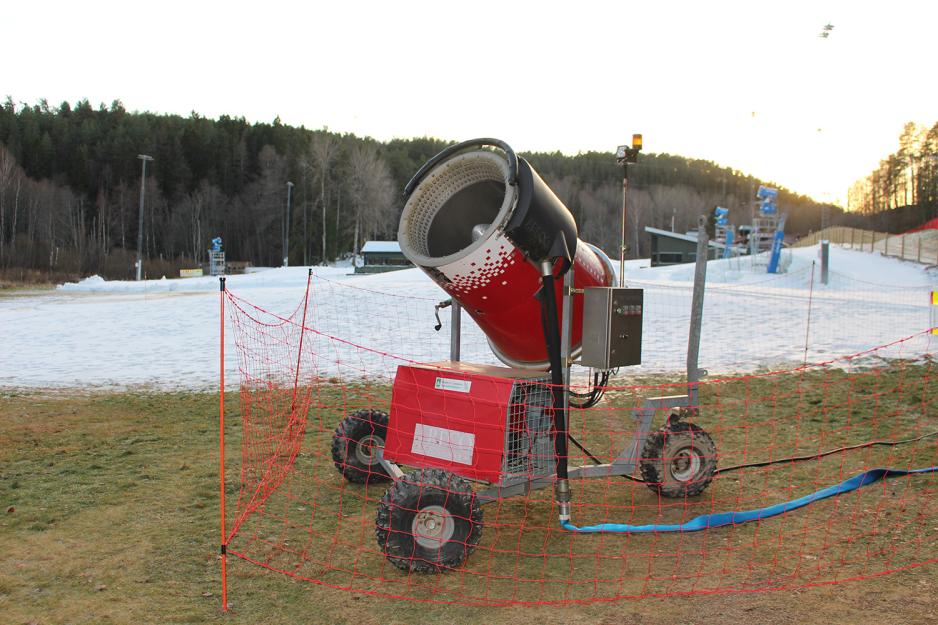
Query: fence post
point(807, 327)
point(299, 355)
point(221, 447)
point(696, 310)
point(920, 249)
point(902, 248)
point(825, 261)
point(851, 237)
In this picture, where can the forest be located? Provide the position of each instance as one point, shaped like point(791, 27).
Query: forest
point(70, 183)
point(907, 177)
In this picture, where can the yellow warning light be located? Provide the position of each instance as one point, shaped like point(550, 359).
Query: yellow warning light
point(637, 142)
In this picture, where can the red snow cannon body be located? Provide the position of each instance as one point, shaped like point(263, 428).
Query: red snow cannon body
point(479, 221)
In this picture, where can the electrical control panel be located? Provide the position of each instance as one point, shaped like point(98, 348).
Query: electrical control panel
point(612, 327)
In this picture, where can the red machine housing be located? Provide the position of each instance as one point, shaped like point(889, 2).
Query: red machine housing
point(489, 424)
point(499, 295)
point(479, 223)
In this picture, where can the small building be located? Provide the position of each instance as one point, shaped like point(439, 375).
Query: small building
point(674, 248)
point(381, 256)
point(238, 266)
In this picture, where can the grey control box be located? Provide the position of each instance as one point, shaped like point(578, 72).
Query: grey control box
point(612, 327)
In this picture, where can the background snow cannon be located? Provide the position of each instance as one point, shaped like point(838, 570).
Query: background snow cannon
point(482, 223)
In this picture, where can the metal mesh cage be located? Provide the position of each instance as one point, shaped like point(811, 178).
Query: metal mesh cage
point(529, 450)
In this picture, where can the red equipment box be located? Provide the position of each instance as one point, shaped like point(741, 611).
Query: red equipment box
point(490, 424)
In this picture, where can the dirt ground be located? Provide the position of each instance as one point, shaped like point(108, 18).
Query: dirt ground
point(109, 515)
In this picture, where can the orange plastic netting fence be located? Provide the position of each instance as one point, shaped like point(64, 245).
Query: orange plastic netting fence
point(472, 519)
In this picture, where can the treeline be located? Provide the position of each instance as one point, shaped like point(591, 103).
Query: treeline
point(908, 177)
point(894, 220)
point(70, 184)
point(665, 191)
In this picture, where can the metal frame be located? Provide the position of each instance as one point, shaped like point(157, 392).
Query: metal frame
point(624, 464)
point(644, 417)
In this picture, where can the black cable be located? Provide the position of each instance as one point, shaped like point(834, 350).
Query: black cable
point(586, 451)
point(767, 463)
point(591, 390)
point(595, 394)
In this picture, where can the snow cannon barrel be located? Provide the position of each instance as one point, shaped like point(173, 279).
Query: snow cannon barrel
point(482, 224)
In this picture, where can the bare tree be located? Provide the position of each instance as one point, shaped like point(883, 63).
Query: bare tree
point(679, 203)
point(8, 170)
point(18, 180)
point(323, 150)
point(263, 209)
point(910, 150)
point(640, 214)
point(370, 191)
point(599, 214)
point(196, 215)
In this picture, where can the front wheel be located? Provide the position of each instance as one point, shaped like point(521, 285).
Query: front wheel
point(356, 444)
point(679, 460)
point(428, 521)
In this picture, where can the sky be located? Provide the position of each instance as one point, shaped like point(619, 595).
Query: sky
point(747, 84)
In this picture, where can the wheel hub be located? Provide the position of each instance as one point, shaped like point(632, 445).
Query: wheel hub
point(685, 464)
point(432, 527)
point(366, 451)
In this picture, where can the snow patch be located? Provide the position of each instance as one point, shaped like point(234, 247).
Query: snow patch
point(164, 333)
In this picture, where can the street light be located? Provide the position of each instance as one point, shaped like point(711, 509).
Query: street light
point(143, 179)
point(286, 227)
point(624, 156)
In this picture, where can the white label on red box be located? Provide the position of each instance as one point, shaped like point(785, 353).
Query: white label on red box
point(449, 384)
point(450, 445)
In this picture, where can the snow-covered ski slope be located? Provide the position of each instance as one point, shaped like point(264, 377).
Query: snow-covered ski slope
point(164, 333)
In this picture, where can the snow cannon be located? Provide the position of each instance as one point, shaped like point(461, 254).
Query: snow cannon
point(767, 193)
point(769, 198)
point(481, 222)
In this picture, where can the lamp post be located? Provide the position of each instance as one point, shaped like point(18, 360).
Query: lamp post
point(286, 226)
point(624, 156)
point(143, 179)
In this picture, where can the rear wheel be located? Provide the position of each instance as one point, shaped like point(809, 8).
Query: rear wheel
point(428, 521)
point(679, 460)
point(356, 444)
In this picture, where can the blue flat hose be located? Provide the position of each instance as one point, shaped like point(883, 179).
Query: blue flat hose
point(722, 519)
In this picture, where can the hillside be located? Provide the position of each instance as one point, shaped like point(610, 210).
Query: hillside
point(70, 185)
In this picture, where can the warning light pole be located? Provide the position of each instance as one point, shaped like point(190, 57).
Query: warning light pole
point(143, 181)
point(286, 226)
point(624, 156)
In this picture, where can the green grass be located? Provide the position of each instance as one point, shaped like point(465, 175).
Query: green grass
point(110, 515)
